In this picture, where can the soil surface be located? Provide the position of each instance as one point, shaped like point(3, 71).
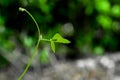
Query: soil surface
point(106, 67)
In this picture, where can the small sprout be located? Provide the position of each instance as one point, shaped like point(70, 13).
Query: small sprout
point(57, 38)
point(21, 9)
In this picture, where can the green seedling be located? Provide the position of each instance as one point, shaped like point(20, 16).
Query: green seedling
point(57, 38)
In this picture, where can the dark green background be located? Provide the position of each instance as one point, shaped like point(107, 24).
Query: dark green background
point(92, 26)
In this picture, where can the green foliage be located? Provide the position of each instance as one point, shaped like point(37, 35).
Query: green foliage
point(44, 7)
point(81, 13)
point(9, 45)
point(2, 20)
point(28, 41)
point(103, 6)
point(6, 2)
point(104, 21)
point(58, 39)
point(116, 11)
point(89, 10)
point(95, 24)
point(98, 50)
point(44, 56)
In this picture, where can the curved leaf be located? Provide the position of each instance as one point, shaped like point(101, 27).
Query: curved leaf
point(53, 46)
point(58, 38)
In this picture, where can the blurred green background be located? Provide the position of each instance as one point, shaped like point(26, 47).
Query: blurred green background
point(92, 26)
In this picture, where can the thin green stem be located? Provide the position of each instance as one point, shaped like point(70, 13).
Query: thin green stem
point(36, 47)
point(30, 61)
point(35, 22)
point(22, 9)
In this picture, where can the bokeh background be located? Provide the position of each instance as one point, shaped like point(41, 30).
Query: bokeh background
point(92, 26)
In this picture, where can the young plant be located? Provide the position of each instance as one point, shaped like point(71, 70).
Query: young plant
point(57, 38)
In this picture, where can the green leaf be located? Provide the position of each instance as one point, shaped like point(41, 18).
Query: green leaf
point(102, 6)
point(44, 56)
point(98, 50)
point(53, 46)
point(115, 11)
point(58, 38)
point(28, 41)
point(105, 21)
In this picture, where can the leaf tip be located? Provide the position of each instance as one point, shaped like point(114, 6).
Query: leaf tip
point(69, 42)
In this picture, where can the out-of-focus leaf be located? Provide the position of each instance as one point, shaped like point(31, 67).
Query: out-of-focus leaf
point(104, 21)
point(115, 10)
point(28, 41)
point(42, 1)
point(98, 50)
point(44, 56)
point(8, 45)
point(102, 6)
point(89, 10)
point(44, 6)
point(6, 2)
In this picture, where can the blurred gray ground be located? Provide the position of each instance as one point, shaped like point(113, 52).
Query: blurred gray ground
point(105, 67)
